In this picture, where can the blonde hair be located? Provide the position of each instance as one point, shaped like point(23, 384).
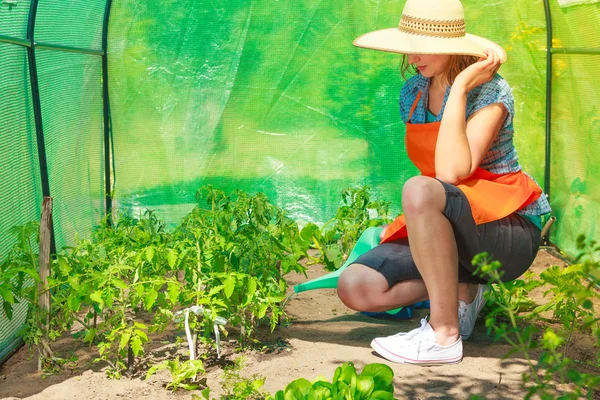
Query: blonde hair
point(456, 64)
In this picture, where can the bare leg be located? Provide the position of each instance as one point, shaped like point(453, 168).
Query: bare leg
point(363, 289)
point(434, 251)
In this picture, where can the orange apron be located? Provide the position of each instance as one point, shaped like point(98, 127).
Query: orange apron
point(491, 196)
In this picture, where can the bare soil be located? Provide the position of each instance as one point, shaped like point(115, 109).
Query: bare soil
point(322, 335)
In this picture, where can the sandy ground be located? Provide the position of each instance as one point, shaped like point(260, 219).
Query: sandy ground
point(322, 335)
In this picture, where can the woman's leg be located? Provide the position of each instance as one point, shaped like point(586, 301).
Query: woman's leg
point(434, 250)
point(362, 288)
point(386, 277)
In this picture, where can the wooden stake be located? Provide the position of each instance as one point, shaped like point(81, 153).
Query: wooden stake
point(43, 291)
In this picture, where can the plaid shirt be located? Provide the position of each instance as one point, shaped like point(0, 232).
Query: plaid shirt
point(502, 156)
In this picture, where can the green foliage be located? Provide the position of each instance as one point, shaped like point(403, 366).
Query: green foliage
point(234, 254)
point(373, 383)
point(18, 271)
point(235, 386)
point(19, 281)
point(116, 345)
point(570, 296)
point(230, 258)
point(339, 235)
point(183, 375)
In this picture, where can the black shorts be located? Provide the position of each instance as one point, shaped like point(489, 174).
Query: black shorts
point(513, 240)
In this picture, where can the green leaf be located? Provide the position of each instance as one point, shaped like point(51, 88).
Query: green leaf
point(293, 394)
point(124, 340)
point(251, 291)
point(136, 346)
point(229, 285)
point(97, 297)
point(74, 302)
point(215, 290)
point(206, 393)
point(142, 335)
point(348, 372)
point(320, 390)
point(337, 374)
point(150, 299)
point(7, 296)
point(262, 311)
point(302, 385)
point(149, 253)
point(74, 282)
point(103, 347)
point(382, 374)
point(118, 283)
point(219, 264)
point(7, 309)
point(365, 385)
point(382, 395)
point(90, 335)
point(551, 340)
point(140, 325)
point(139, 289)
point(172, 258)
point(341, 391)
point(63, 266)
point(278, 396)
point(173, 291)
point(101, 252)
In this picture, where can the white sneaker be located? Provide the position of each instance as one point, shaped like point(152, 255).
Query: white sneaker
point(418, 346)
point(467, 313)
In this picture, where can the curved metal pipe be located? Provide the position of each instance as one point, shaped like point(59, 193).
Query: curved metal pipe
point(546, 228)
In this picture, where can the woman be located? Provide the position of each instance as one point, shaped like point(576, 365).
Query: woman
point(471, 196)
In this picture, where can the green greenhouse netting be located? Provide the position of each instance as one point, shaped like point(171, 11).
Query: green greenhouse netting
point(70, 99)
point(262, 96)
point(20, 187)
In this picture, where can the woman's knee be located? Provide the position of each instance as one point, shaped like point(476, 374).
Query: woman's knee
point(357, 289)
point(423, 194)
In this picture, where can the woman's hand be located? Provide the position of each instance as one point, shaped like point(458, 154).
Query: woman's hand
point(479, 73)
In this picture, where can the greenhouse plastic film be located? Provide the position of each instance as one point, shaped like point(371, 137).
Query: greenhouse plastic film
point(574, 165)
point(575, 170)
point(272, 96)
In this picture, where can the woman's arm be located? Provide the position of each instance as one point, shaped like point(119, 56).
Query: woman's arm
point(462, 144)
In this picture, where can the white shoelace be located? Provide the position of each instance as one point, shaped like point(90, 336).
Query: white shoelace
point(415, 332)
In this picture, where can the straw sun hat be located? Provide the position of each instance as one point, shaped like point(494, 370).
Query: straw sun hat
point(430, 27)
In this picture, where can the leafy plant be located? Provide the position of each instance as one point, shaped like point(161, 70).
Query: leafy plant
point(234, 254)
point(339, 235)
point(373, 383)
point(183, 375)
point(572, 291)
point(18, 271)
point(19, 283)
point(235, 386)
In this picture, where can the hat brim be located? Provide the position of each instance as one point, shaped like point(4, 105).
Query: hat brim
point(395, 41)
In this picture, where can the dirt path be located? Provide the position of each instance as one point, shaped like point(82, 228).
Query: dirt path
point(323, 334)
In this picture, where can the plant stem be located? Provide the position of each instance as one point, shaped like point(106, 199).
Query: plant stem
point(198, 271)
point(520, 339)
point(86, 326)
point(570, 336)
